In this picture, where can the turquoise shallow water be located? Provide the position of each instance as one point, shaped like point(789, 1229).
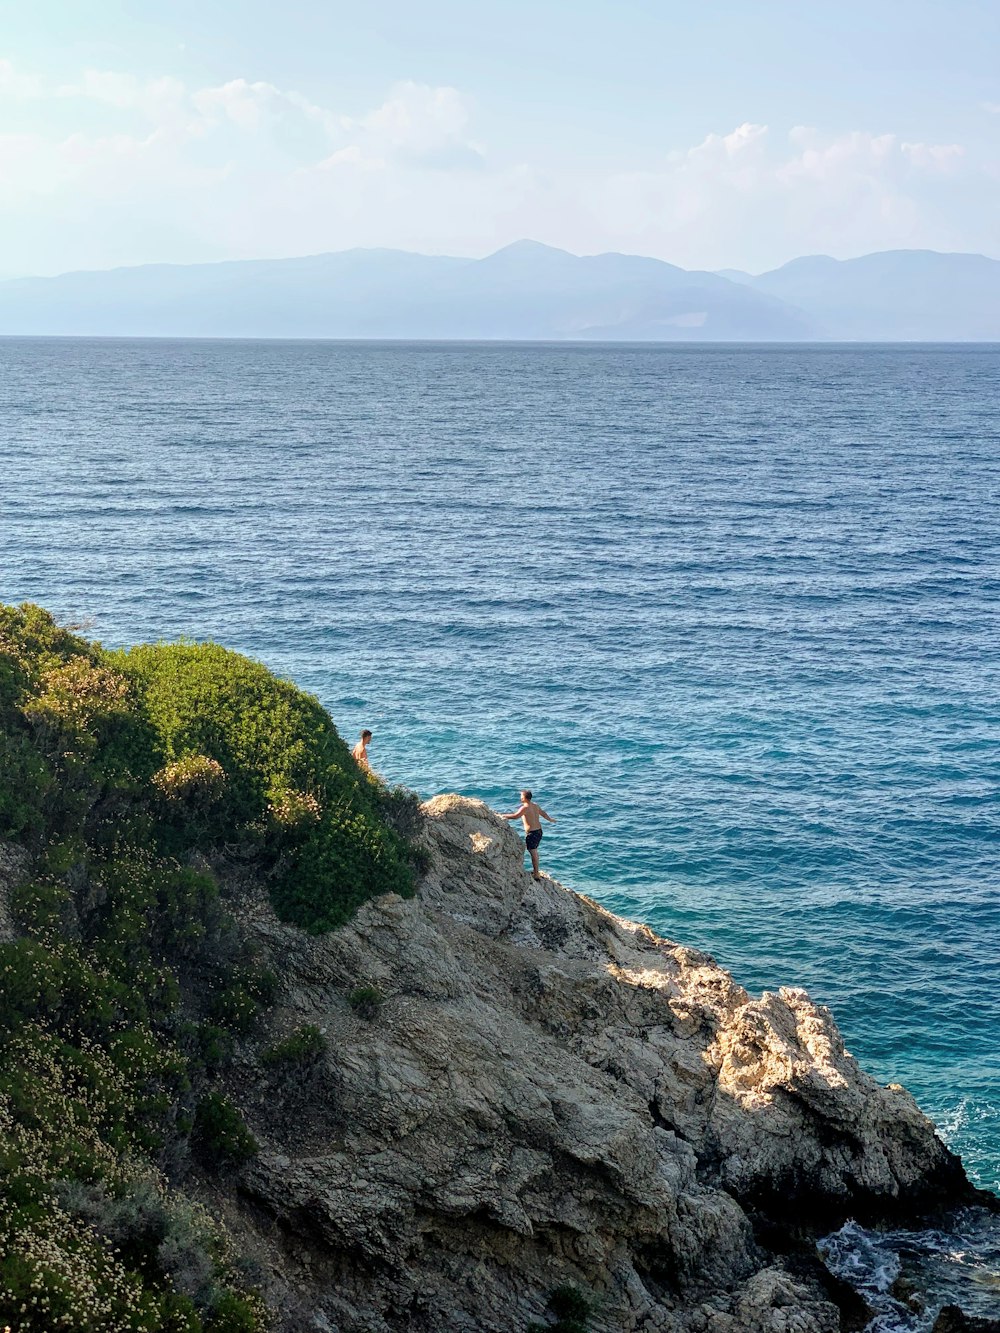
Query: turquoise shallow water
point(732, 612)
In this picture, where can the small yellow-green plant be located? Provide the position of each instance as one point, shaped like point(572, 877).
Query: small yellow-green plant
point(193, 778)
point(291, 809)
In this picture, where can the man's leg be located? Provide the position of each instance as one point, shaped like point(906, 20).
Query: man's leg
point(533, 853)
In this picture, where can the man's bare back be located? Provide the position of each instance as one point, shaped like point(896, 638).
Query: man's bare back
point(531, 815)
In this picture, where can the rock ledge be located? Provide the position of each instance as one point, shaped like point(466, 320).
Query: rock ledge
point(550, 1094)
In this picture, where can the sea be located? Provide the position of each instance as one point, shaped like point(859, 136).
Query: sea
point(731, 612)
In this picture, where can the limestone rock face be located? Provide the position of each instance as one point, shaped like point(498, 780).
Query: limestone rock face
point(546, 1094)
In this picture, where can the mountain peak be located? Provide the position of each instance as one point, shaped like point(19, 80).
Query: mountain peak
point(527, 249)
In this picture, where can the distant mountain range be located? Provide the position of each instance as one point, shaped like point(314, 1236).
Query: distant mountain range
point(524, 291)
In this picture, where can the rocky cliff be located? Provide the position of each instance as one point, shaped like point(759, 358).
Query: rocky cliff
point(282, 1050)
point(520, 1091)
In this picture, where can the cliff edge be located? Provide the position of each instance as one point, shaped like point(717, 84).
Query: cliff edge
point(520, 1090)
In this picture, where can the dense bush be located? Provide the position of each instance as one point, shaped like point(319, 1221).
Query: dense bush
point(26, 786)
point(194, 780)
point(570, 1309)
point(302, 1047)
point(238, 1002)
point(182, 745)
point(366, 1001)
point(125, 993)
point(221, 1136)
point(289, 780)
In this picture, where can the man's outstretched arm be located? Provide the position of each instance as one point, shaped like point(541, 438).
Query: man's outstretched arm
point(545, 816)
point(517, 813)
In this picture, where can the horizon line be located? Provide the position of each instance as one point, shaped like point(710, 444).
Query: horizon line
point(673, 344)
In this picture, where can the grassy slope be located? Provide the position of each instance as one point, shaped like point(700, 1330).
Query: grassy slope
point(122, 775)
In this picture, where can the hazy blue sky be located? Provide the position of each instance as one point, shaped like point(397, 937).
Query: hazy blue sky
point(710, 134)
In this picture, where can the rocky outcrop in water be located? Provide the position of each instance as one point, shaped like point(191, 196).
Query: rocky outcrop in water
point(952, 1320)
point(521, 1091)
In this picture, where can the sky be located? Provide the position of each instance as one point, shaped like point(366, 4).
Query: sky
point(708, 133)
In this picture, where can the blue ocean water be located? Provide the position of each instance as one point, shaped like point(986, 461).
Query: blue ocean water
point(732, 612)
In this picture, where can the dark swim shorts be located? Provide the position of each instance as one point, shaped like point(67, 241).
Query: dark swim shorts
point(533, 839)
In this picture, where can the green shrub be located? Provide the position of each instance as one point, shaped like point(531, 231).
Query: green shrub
point(400, 808)
point(366, 1001)
point(58, 1274)
point(233, 1314)
point(266, 985)
point(150, 907)
point(569, 1302)
point(181, 745)
point(241, 999)
point(30, 982)
point(25, 783)
point(211, 1045)
point(221, 1136)
point(78, 699)
point(570, 1309)
point(291, 809)
point(285, 763)
point(235, 1007)
point(65, 857)
point(194, 780)
point(41, 906)
point(70, 725)
point(303, 1046)
point(167, 1238)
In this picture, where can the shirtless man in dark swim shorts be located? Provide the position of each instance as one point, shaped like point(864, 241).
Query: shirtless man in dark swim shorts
point(531, 814)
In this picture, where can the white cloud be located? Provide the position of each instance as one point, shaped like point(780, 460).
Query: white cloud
point(775, 195)
point(417, 125)
point(18, 86)
point(744, 141)
point(135, 169)
point(859, 154)
point(247, 122)
point(124, 91)
point(943, 157)
point(254, 106)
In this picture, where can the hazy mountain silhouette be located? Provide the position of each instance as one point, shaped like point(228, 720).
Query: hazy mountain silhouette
point(525, 290)
point(735, 274)
point(894, 295)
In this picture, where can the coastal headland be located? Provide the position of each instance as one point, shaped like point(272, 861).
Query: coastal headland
point(284, 1049)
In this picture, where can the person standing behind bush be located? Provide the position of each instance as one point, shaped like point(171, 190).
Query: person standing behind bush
point(360, 751)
